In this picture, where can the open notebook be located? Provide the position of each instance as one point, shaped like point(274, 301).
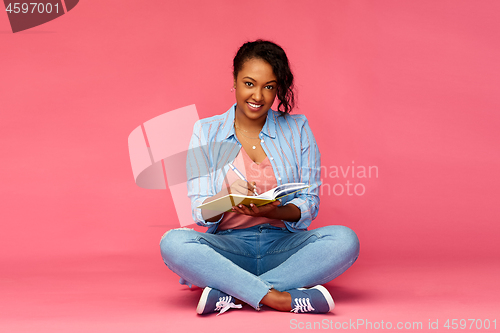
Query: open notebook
point(225, 203)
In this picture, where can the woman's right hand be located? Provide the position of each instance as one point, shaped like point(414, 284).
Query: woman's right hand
point(242, 187)
point(238, 187)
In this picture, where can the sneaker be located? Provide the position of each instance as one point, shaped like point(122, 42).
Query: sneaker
point(313, 300)
point(213, 300)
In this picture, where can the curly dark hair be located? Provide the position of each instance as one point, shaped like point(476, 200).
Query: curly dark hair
point(275, 56)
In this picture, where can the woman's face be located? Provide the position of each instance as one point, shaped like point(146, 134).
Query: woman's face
point(255, 89)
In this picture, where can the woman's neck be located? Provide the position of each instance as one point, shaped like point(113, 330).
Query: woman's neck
point(249, 125)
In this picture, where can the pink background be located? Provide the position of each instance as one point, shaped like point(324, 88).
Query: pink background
point(408, 86)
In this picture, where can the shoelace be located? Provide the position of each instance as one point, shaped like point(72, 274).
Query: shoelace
point(225, 303)
point(302, 305)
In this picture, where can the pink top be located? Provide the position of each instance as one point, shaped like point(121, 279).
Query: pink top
point(263, 175)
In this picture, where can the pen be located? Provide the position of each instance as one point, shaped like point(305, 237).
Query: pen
point(239, 174)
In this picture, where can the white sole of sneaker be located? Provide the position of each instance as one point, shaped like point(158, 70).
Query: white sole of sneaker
point(326, 294)
point(203, 300)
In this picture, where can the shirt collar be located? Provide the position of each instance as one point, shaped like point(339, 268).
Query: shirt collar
point(269, 128)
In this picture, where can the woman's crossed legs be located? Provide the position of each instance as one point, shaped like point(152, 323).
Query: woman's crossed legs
point(249, 263)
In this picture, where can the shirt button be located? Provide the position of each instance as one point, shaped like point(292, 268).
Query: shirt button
point(262, 141)
point(279, 178)
point(271, 158)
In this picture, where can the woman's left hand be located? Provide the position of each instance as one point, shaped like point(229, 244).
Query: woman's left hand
point(265, 211)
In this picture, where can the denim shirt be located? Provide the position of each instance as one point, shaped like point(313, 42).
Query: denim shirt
point(287, 141)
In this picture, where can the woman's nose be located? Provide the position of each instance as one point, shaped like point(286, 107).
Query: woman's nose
point(257, 95)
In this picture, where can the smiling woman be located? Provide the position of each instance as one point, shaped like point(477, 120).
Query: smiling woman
point(258, 255)
point(255, 87)
point(255, 90)
point(274, 56)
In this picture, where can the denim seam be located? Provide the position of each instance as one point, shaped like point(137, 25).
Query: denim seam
point(245, 254)
point(281, 251)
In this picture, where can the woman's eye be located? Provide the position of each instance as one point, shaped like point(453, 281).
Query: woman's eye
point(270, 87)
point(249, 84)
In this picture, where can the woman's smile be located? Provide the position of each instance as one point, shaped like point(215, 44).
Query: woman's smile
point(256, 88)
point(254, 107)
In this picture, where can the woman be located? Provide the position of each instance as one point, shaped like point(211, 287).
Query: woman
point(258, 255)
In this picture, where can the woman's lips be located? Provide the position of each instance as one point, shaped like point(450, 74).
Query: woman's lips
point(254, 107)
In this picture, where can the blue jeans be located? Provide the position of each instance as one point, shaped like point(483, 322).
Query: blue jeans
point(247, 263)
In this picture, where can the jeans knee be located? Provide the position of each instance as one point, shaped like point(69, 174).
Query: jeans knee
point(343, 235)
point(351, 240)
point(171, 242)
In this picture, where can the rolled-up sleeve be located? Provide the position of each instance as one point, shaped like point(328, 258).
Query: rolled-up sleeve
point(199, 176)
point(309, 166)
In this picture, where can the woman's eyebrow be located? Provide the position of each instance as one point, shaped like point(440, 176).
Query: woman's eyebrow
point(248, 77)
